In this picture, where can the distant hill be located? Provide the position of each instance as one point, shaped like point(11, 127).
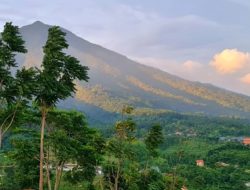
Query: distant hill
point(116, 80)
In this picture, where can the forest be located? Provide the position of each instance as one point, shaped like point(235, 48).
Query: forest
point(45, 147)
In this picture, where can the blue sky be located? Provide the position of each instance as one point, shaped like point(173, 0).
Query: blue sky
point(202, 40)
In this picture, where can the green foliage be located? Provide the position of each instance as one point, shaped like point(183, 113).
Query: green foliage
point(22, 170)
point(119, 166)
point(11, 43)
point(209, 178)
point(127, 109)
point(15, 91)
point(125, 129)
point(170, 162)
point(56, 79)
point(55, 82)
point(70, 140)
point(154, 138)
point(231, 153)
point(12, 38)
point(152, 180)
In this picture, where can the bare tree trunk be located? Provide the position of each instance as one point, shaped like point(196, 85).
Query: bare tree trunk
point(59, 171)
point(1, 137)
point(60, 176)
point(5, 127)
point(148, 158)
point(44, 113)
point(116, 183)
point(110, 182)
point(48, 171)
point(146, 170)
point(101, 184)
point(117, 176)
point(174, 180)
point(57, 176)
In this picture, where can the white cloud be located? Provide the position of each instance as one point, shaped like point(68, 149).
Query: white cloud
point(191, 66)
point(181, 40)
point(245, 79)
point(202, 72)
point(191, 70)
point(230, 61)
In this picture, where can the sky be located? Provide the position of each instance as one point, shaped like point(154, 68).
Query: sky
point(199, 40)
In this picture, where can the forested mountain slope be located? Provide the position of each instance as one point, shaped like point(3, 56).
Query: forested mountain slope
point(116, 80)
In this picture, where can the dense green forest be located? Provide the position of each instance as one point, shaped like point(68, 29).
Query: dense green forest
point(44, 147)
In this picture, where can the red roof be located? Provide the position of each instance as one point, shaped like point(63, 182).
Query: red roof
point(199, 161)
point(246, 141)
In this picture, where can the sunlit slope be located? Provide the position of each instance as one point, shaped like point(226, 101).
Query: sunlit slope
point(116, 80)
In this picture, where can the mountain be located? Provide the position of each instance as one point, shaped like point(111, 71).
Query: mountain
point(115, 80)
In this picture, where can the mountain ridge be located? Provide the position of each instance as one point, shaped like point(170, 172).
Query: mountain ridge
point(112, 51)
point(115, 80)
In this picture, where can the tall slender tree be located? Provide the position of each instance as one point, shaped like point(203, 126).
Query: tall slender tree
point(119, 150)
point(10, 43)
point(153, 140)
point(70, 140)
point(14, 93)
point(55, 80)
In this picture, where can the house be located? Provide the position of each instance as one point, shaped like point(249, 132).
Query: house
point(221, 164)
point(69, 167)
point(246, 141)
point(191, 135)
point(178, 133)
point(98, 170)
point(247, 184)
point(200, 163)
point(231, 139)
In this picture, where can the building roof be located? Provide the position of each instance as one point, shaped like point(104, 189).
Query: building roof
point(246, 141)
point(199, 160)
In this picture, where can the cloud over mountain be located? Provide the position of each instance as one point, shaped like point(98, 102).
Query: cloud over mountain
point(246, 78)
point(230, 61)
point(116, 80)
point(169, 35)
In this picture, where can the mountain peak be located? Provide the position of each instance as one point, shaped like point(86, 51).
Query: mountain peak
point(116, 80)
point(38, 22)
point(37, 25)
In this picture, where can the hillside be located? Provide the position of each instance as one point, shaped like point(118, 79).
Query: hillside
point(116, 80)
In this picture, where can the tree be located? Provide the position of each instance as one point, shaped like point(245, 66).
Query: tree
point(10, 43)
point(22, 171)
point(153, 181)
point(55, 80)
point(120, 152)
point(154, 138)
point(14, 91)
point(70, 140)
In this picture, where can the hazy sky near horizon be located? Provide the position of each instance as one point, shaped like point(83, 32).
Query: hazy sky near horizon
point(202, 40)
